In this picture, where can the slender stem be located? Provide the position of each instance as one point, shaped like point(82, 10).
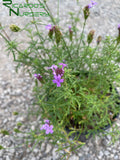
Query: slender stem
point(46, 8)
point(81, 36)
point(77, 18)
point(58, 11)
point(41, 38)
point(67, 48)
point(6, 35)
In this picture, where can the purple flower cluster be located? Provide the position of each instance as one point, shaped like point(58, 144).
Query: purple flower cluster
point(92, 4)
point(58, 73)
point(47, 127)
point(38, 76)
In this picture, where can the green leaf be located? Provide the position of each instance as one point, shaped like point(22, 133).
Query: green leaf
point(15, 113)
point(1, 147)
point(5, 132)
point(19, 124)
point(71, 133)
point(17, 130)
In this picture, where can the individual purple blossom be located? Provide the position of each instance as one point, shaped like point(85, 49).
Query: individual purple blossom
point(58, 80)
point(63, 65)
point(92, 4)
point(47, 121)
point(38, 76)
point(49, 129)
point(53, 67)
point(118, 26)
point(45, 126)
point(69, 28)
point(48, 27)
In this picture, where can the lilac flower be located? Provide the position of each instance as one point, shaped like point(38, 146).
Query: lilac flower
point(58, 80)
point(118, 26)
point(63, 65)
point(38, 76)
point(47, 121)
point(48, 27)
point(63, 60)
point(92, 4)
point(59, 71)
point(47, 127)
point(69, 28)
point(56, 70)
point(53, 67)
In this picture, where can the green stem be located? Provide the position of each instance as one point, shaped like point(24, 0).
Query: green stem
point(81, 36)
point(83, 57)
point(67, 48)
point(6, 35)
point(46, 8)
point(58, 11)
point(41, 38)
point(76, 22)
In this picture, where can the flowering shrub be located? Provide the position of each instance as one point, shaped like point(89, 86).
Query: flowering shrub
point(78, 95)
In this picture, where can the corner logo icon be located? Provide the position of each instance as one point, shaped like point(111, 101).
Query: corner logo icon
point(14, 8)
point(7, 3)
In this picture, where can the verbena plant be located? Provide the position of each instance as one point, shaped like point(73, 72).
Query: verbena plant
point(77, 92)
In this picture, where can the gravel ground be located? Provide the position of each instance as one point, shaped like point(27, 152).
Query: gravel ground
point(16, 88)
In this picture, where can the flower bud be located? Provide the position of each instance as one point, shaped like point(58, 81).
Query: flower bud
point(14, 28)
point(86, 12)
point(39, 77)
point(99, 40)
point(58, 34)
point(90, 36)
point(50, 33)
